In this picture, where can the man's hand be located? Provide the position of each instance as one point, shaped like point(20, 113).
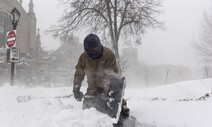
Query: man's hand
point(78, 95)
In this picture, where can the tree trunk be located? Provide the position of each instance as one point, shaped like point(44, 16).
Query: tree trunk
point(116, 50)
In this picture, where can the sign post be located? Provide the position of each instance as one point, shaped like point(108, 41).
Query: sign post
point(12, 53)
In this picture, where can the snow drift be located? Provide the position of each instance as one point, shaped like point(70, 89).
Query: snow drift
point(183, 104)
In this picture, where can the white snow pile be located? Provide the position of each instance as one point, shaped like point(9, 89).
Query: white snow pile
point(45, 107)
point(183, 104)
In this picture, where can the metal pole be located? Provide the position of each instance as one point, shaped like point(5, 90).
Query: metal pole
point(12, 74)
point(15, 15)
point(12, 64)
point(14, 23)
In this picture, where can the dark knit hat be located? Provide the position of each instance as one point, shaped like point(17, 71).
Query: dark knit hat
point(93, 46)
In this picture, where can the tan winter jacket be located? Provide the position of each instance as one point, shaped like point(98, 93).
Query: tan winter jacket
point(98, 72)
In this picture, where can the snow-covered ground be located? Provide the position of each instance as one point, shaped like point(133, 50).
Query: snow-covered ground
point(184, 104)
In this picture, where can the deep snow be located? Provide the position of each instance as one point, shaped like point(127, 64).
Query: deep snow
point(183, 104)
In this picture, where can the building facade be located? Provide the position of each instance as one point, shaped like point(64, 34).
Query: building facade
point(64, 60)
point(36, 67)
point(27, 41)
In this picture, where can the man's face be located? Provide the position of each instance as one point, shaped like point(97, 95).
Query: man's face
point(94, 52)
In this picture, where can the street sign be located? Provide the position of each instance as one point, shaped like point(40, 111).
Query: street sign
point(11, 39)
point(13, 55)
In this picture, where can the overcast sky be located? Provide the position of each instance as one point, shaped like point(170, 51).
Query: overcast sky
point(183, 21)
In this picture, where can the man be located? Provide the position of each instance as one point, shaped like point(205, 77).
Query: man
point(98, 63)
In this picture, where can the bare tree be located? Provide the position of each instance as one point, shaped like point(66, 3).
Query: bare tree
point(204, 45)
point(111, 18)
point(206, 71)
point(124, 64)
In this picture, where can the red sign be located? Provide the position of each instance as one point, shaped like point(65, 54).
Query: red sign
point(11, 39)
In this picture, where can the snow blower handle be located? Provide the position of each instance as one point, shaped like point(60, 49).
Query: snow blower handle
point(98, 94)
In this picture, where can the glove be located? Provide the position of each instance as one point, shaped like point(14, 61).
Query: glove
point(78, 95)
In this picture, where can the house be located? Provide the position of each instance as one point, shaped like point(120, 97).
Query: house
point(64, 60)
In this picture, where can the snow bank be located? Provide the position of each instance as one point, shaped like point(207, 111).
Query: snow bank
point(162, 106)
point(38, 107)
point(175, 105)
point(180, 90)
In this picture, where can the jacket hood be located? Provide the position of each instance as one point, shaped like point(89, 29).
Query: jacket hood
point(93, 46)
